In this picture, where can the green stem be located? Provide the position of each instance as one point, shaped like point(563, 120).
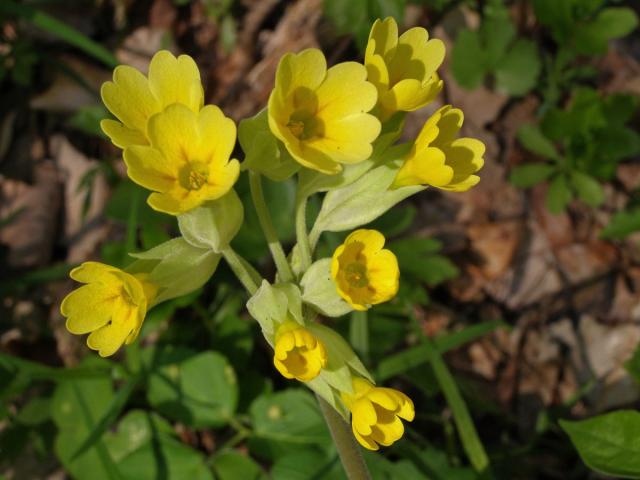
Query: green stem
point(279, 257)
point(464, 424)
point(302, 235)
point(359, 333)
point(237, 264)
point(348, 449)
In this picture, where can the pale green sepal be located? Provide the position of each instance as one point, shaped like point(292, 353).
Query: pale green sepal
point(176, 267)
point(214, 224)
point(273, 304)
point(363, 201)
point(312, 181)
point(263, 152)
point(319, 290)
point(337, 348)
point(322, 388)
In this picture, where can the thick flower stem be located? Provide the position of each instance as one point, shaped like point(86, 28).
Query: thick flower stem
point(346, 444)
point(238, 266)
point(302, 235)
point(277, 252)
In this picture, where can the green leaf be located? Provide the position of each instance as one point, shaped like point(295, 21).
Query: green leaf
point(233, 465)
point(588, 188)
point(614, 22)
point(310, 463)
point(532, 138)
point(558, 195)
point(468, 60)
point(418, 258)
point(517, 72)
point(608, 443)
point(146, 448)
point(291, 416)
point(622, 224)
point(497, 32)
point(530, 174)
point(200, 390)
point(87, 119)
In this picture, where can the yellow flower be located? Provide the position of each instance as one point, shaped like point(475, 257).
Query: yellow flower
point(319, 114)
point(187, 162)
point(403, 69)
point(376, 413)
point(298, 353)
point(112, 306)
point(133, 99)
point(439, 158)
point(365, 274)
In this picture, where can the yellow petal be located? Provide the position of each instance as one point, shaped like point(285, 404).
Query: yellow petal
point(166, 203)
point(221, 179)
point(93, 272)
point(175, 133)
point(175, 80)
point(311, 157)
point(129, 98)
point(384, 276)
point(372, 241)
point(410, 94)
point(366, 442)
point(425, 167)
point(449, 125)
point(108, 339)
point(464, 156)
point(122, 136)
point(304, 70)
point(217, 136)
point(88, 308)
point(149, 168)
point(383, 37)
point(415, 56)
point(363, 416)
point(377, 72)
point(345, 91)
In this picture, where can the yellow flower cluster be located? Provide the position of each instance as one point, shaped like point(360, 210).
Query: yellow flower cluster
point(172, 145)
point(322, 121)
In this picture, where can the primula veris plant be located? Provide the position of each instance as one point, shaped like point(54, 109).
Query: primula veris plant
point(338, 129)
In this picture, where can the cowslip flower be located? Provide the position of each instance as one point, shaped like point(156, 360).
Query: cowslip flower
point(133, 98)
point(365, 274)
point(440, 159)
point(376, 413)
point(319, 114)
point(298, 353)
point(403, 69)
point(111, 306)
point(187, 162)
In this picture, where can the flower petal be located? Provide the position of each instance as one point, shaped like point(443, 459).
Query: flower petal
point(217, 136)
point(122, 136)
point(88, 308)
point(304, 70)
point(345, 91)
point(425, 167)
point(149, 168)
point(175, 80)
point(175, 133)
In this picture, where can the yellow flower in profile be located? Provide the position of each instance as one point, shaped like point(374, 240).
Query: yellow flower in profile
point(321, 115)
point(376, 413)
point(440, 159)
point(403, 69)
point(111, 306)
point(365, 274)
point(187, 162)
point(133, 98)
point(298, 353)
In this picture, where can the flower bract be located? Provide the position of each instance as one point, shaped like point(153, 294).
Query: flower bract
point(365, 274)
point(403, 69)
point(187, 162)
point(133, 98)
point(321, 115)
point(298, 353)
point(440, 159)
point(377, 413)
point(111, 306)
